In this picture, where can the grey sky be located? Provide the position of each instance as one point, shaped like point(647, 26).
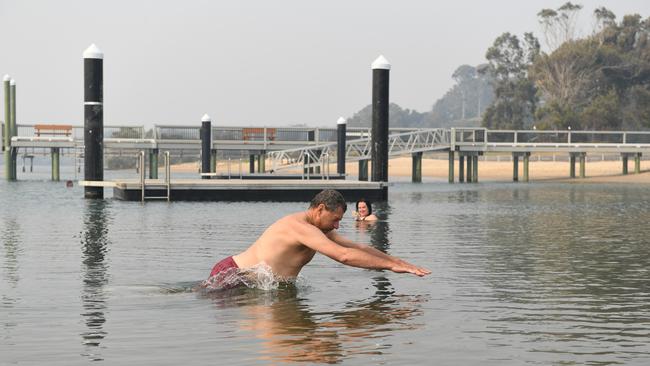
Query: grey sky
point(250, 62)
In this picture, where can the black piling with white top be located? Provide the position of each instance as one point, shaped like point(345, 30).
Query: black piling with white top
point(379, 139)
point(93, 120)
point(206, 144)
point(341, 130)
point(7, 128)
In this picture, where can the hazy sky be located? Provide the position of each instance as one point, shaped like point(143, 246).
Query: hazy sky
point(251, 62)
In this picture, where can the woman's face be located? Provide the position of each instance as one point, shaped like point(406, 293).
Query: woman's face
point(363, 209)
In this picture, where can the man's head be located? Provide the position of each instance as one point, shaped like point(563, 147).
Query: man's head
point(328, 208)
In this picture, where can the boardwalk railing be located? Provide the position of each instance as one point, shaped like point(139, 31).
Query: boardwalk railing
point(294, 145)
point(472, 139)
point(359, 149)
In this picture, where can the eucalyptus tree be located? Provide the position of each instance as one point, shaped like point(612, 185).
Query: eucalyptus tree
point(509, 60)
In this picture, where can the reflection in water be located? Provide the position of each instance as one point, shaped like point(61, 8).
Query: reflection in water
point(550, 276)
point(94, 241)
point(379, 232)
point(291, 331)
point(10, 240)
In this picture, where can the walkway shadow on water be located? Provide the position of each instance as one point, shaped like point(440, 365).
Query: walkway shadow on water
point(291, 330)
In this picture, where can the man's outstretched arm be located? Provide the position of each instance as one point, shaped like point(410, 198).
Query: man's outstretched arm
point(357, 255)
point(401, 264)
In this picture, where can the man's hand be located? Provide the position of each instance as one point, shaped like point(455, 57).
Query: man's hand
point(405, 267)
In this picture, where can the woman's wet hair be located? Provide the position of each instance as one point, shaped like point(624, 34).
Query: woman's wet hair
point(368, 204)
point(330, 198)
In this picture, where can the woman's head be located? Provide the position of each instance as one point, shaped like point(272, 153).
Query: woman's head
point(364, 207)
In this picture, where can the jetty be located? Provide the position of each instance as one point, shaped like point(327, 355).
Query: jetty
point(275, 154)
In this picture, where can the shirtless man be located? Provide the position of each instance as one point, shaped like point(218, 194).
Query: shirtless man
point(291, 242)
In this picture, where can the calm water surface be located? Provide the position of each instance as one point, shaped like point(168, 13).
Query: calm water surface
point(522, 274)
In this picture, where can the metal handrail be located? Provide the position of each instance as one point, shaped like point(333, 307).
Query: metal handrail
point(168, 175)
point(142, 169)
point(359, 149)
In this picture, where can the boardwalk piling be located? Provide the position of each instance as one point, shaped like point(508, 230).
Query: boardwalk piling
point(6, 132)
point(261, 164)
point(379, 143)
point(515, 167)
point(526, 163)
point(624, 160)
point(93, 120)
point(7, 128)
point(363, 170)
point(416, 172)
point(341, 130)
point(213, 160)
point(153, 164)
point(475, 169)
point(572, 165)
point(583, 158)
point(206, 142)
point(470, 160)
point(451, 167)
point(461, 168)
point(55, 164)
point(637, 163)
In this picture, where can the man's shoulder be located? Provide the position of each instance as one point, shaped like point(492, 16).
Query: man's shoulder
point(296, 216)
point(292, 220)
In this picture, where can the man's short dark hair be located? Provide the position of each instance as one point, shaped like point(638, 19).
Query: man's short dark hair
point(331, 199)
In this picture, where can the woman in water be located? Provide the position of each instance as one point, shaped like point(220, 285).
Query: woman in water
point(364, 211)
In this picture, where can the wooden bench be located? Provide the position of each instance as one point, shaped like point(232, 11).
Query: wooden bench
point(257, 133)
point(53, 130)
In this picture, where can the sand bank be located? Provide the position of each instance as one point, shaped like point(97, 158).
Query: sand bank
point(489, 171)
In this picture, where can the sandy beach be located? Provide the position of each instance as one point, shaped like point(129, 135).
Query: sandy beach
point(489, 171)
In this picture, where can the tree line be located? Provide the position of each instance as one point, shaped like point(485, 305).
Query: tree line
point(597, 82)
point(600, 81)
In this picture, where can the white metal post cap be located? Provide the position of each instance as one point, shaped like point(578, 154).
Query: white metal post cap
point(12, 82)
point(93, 52)
point(341, 121)
point(381, 63)
point(6, 78)
point(205, 118)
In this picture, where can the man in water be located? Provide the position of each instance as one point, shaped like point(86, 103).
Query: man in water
point(291, 242)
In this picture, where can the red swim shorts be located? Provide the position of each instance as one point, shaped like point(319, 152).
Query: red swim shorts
point(223, 265)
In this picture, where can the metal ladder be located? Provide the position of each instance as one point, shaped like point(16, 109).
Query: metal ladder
point(167, 181)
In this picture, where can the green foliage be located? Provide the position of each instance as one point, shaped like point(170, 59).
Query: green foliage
point(603, 113)
point(600, 82)
point(556, 116)
point(515, 94)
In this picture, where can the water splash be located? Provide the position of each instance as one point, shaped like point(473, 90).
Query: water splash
point(260, 277)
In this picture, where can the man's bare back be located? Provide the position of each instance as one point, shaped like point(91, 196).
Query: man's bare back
point(280, 247)
point(292, 241)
